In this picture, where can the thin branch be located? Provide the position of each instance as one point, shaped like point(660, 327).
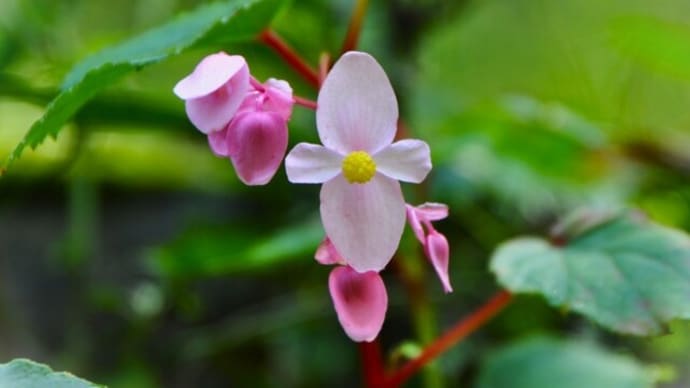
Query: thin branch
point(355, 27)
point(461, 330)
point(270, 38)
point(305, 102)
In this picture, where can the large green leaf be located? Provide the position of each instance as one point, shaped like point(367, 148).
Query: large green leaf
point(213, 23)
point(621, 271)
point(547, 363)
point(22, 373)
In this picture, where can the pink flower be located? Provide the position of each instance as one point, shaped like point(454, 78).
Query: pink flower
point(256, 138)
point(214, 91)
point(362, 207)
point(435, 244)
point(360, 299)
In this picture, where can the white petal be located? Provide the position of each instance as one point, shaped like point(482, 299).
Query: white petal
point(363, 221)
point(356, 107)
point(312, 163)
point(406, 160)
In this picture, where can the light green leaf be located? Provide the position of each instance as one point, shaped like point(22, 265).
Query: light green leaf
point(623, 272)
point(22, 373)
point(547, 363)
point(220, 22)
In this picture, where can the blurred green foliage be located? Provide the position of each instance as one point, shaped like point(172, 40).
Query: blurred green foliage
point(125, 233)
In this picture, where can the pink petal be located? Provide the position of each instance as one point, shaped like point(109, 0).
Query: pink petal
point(218, 142)
point(214, 111)
point(311, 163)
point(438, 251)
point(279, 99)
point(357, 109)
point(326, 253)
point(415, 224)
point(210, 74)
point(258, 141)
point(364, 221)
point(433, 211)
point(405, 160)
point(360, 300)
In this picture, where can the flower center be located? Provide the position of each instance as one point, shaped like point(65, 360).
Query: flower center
point(358, 167)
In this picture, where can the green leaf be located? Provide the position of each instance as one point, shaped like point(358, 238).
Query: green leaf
point(22, 373)
point(221, 251)
point(214, 23)
point(546, 363)
point(623, 272)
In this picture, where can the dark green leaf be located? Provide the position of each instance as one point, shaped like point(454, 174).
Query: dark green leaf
point(22, 373)
point(548, 363)
point(213, 23)
point(623, 272)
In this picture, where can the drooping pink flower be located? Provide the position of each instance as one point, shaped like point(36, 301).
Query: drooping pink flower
point(360, 301)
point(362, 207)
point(214, 91)
point(435, 244)
point(256, 138)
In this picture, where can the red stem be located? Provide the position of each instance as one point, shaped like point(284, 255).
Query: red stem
point(461, 330)
point(372, 363)
point(353, 30)
point(270, 38)
point(304, 102)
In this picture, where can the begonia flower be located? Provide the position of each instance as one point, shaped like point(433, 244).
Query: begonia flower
point(362, 207)
point(214, 91)
point(360, 301)
point(435, 244)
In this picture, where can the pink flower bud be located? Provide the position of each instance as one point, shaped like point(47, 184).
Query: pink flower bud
point(326, 254)
point(437, 250)
point(214, 91)
point(360, 301)
point(256, 143)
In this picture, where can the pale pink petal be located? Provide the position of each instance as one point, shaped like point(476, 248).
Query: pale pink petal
point(210, 74)
point(433, 211)
point(279, 97)
point(214, 111)
point(364, 221)
point(438, 251)
point(326, 254)
point(311, 163)
point(218, 142)
point(258, 142)
point(357, 109)
point(360, 300)
point(405, 160)
point(415, 224)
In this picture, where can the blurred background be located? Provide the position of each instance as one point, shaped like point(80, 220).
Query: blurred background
point(133, 257)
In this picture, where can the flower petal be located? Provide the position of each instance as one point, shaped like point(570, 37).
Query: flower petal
point(364, 221)
point(210, 74)
point(360, 300)
point(406, 160)
point(214, 111)
point(258, 141)
point(279, 99)
point(218, 142)
point(438, 251)
point(326, 254)
point(311, 163)
point(415, 224)
point(356, 107)
point(433, 211)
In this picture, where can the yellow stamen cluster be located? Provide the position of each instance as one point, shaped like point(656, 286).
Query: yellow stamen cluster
point(358, 167)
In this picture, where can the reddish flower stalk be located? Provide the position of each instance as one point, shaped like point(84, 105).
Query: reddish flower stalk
point(372, 363)
point(270, 38)
point(353, 30)
point(461, 330)
point(305, 102)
